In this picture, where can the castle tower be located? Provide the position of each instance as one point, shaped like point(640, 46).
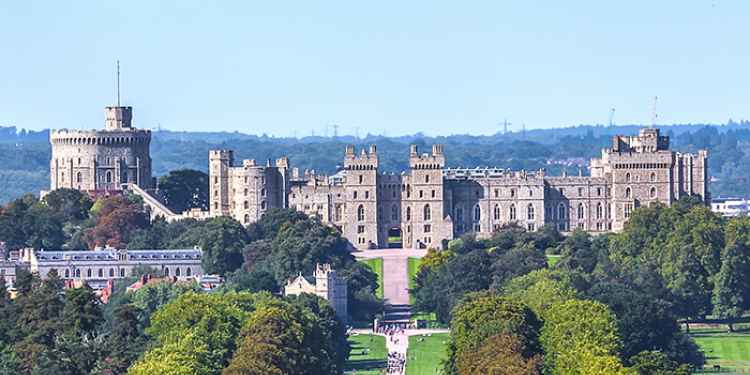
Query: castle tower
point(425, 200)
point(361, 189)
point(331, 287)
point(102, 160)
point(219, 164)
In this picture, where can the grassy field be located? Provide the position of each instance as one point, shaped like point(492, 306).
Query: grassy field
point(368, 355)
point(376, 265)
point(731, 351)
point(552, 260)
point(413, 268)
point(424, 356)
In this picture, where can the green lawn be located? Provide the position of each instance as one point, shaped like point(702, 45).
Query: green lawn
point(368, 355)
point(552, 260)
point(413, 268)
point(729, 350)
point(424, 356)
point(376, 265)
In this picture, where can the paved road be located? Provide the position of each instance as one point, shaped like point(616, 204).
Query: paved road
point(395, 278)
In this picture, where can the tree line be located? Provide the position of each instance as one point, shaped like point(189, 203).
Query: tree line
point(623, 295)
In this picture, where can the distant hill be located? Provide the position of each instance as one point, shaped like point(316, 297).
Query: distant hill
point(24, 155)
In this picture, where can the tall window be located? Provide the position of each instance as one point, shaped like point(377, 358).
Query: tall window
point(627, 192)
point(408, 213)
point(627, 177)
point(108, 176)
point(580, 211)
point(652, 193)
point(512, 212)
point(653, 177)
point(78, 177)
point(337, 212)
point(361, 178)
point(361, 213)
point(512, 193)
point(599, 210)
point(427, 179)
point(530, 212)
point(497, 212)
point(247, 219)
point(427, 213)
point(246, 204)
point(561, 211)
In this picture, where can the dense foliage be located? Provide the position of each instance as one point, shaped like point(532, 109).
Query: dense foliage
point(611, 303)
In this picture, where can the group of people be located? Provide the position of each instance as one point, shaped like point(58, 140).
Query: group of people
point(396, 363)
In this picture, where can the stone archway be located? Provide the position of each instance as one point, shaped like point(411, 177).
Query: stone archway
point(395, 238)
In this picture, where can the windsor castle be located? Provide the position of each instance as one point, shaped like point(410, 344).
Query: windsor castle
point(425, 206)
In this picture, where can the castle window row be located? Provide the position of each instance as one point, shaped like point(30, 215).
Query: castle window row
point(641, 165)
point(100, 272)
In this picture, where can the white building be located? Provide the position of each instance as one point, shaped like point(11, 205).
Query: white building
point(96, 267)
point(730, 207)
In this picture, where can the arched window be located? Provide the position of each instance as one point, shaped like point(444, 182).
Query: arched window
point(79, 178)
point(361, 213)
point(354, 195)
point(246, 191)
point(408, 213)
point(108, 176)
point(177, 272)
point(427, 214)
point(247, 219)
point(100, 273)
point(530, 212)
point(627, 177)
point(653, 176)
point(512, 193)
point(88, 273)
point(79, 161)
point(166, 271)
point(263, 192)
point(67, 274)
point(262, 205)
point(561, 211)
point(122, 272)
point(427, 179)
point(246, 204)
point(78, 273)
point(580, 211)
point(652, 193)
point(497, 212)
point(188, 272)
point(512, 212)
point(394, 212)
point(361, 179)
point(627, 192)
point(477, 213)
point(599, 210)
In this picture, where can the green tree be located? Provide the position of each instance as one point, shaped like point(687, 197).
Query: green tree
point(575, 328)
point(483, 315)
point(499, 355)
point(81, 314)
point(124, 344)
point(184, 189)
point(222, 240)
point(731, 295)
point(69, 204)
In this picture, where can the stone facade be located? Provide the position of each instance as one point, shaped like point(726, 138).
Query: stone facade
point(328, 285)
point(102, 160)
point(430, 204)
point(97, 267)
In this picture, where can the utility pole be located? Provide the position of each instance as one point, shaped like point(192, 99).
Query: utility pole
point(611, 117)
point(654, 115)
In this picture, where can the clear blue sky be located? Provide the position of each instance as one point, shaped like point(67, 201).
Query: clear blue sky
point(448, 67)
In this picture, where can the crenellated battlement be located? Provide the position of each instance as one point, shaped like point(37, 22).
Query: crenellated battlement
point(365, 160)
point(436, 160)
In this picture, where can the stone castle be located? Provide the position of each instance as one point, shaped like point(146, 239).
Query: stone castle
point(102, 161)
point(423, 207)
point(429, 204)
point(328, 285)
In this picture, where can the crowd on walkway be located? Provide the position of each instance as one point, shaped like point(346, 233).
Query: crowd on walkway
point(396, 363)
